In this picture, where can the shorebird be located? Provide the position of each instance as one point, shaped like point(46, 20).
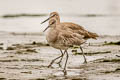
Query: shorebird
point(62, 35)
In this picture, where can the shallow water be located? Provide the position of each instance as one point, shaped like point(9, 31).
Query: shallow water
point(32, 65)
point(70, 11)
point(100, 25)
point(62, 6)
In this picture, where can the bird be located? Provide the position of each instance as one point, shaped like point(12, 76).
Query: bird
point(63, 35)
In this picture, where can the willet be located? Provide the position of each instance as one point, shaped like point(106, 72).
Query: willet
point(63, 35)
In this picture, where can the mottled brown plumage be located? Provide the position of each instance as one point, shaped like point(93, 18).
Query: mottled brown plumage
point(75, 28)
point(62, 35)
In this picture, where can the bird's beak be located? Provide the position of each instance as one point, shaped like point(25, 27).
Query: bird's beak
point(46, 28)
point(47, 19)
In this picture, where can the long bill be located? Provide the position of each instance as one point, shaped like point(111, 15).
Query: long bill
point(47, 19)
point(46, 28)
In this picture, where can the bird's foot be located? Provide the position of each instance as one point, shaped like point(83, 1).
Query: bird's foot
point(65, 72)
point(85, 62)
point(50, 65)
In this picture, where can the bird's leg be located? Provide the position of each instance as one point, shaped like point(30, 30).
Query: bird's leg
point(54, 60)
point(61, 58)
point(85, 61)
point(64, 70)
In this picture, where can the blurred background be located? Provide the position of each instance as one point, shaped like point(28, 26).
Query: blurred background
point(100, 16)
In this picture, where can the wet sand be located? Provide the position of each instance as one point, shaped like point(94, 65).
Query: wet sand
point(26, 57)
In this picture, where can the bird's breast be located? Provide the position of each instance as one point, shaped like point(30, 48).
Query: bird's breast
point(52, 39)
point(51, 35)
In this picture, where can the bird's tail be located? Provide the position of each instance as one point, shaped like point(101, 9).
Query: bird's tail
point(93, 35)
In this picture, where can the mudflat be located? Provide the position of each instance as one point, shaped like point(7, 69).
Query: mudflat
point(26, 57)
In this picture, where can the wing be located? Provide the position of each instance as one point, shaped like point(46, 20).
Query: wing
point(75, 28)
point(68, 38)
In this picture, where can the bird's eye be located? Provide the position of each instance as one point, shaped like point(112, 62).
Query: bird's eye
point(53, 15)
point(52, 22)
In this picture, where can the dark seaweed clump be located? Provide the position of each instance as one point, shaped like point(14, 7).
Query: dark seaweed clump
point(90, 53)
point(1, 48)
point(39, 44)
point(1, 43)
point(22, 15)
point(112, 60)
point(113, 43)
point(10, 48)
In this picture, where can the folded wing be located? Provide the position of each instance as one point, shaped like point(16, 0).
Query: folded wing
point(75, 28)
point(68, 38)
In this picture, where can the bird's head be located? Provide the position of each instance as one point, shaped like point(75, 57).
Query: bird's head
point(52, 15)
point(52, 24)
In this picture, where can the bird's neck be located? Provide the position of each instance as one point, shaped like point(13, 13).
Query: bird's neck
point(53, 26)
point(58, 20)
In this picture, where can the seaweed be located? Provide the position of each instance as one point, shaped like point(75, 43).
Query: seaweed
point(111, 60)
point(39, 44)
point(31, 50)
point(26, 51)
point(31, 60)
point(112, 43)
point(2, 78)
point(29, 72)
point(11, 48)
point(22, 15)
point(1, 48)
point(9, 60)
point(38, 79)
point(1, 43)
point(91, 53)
point(111, 71)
